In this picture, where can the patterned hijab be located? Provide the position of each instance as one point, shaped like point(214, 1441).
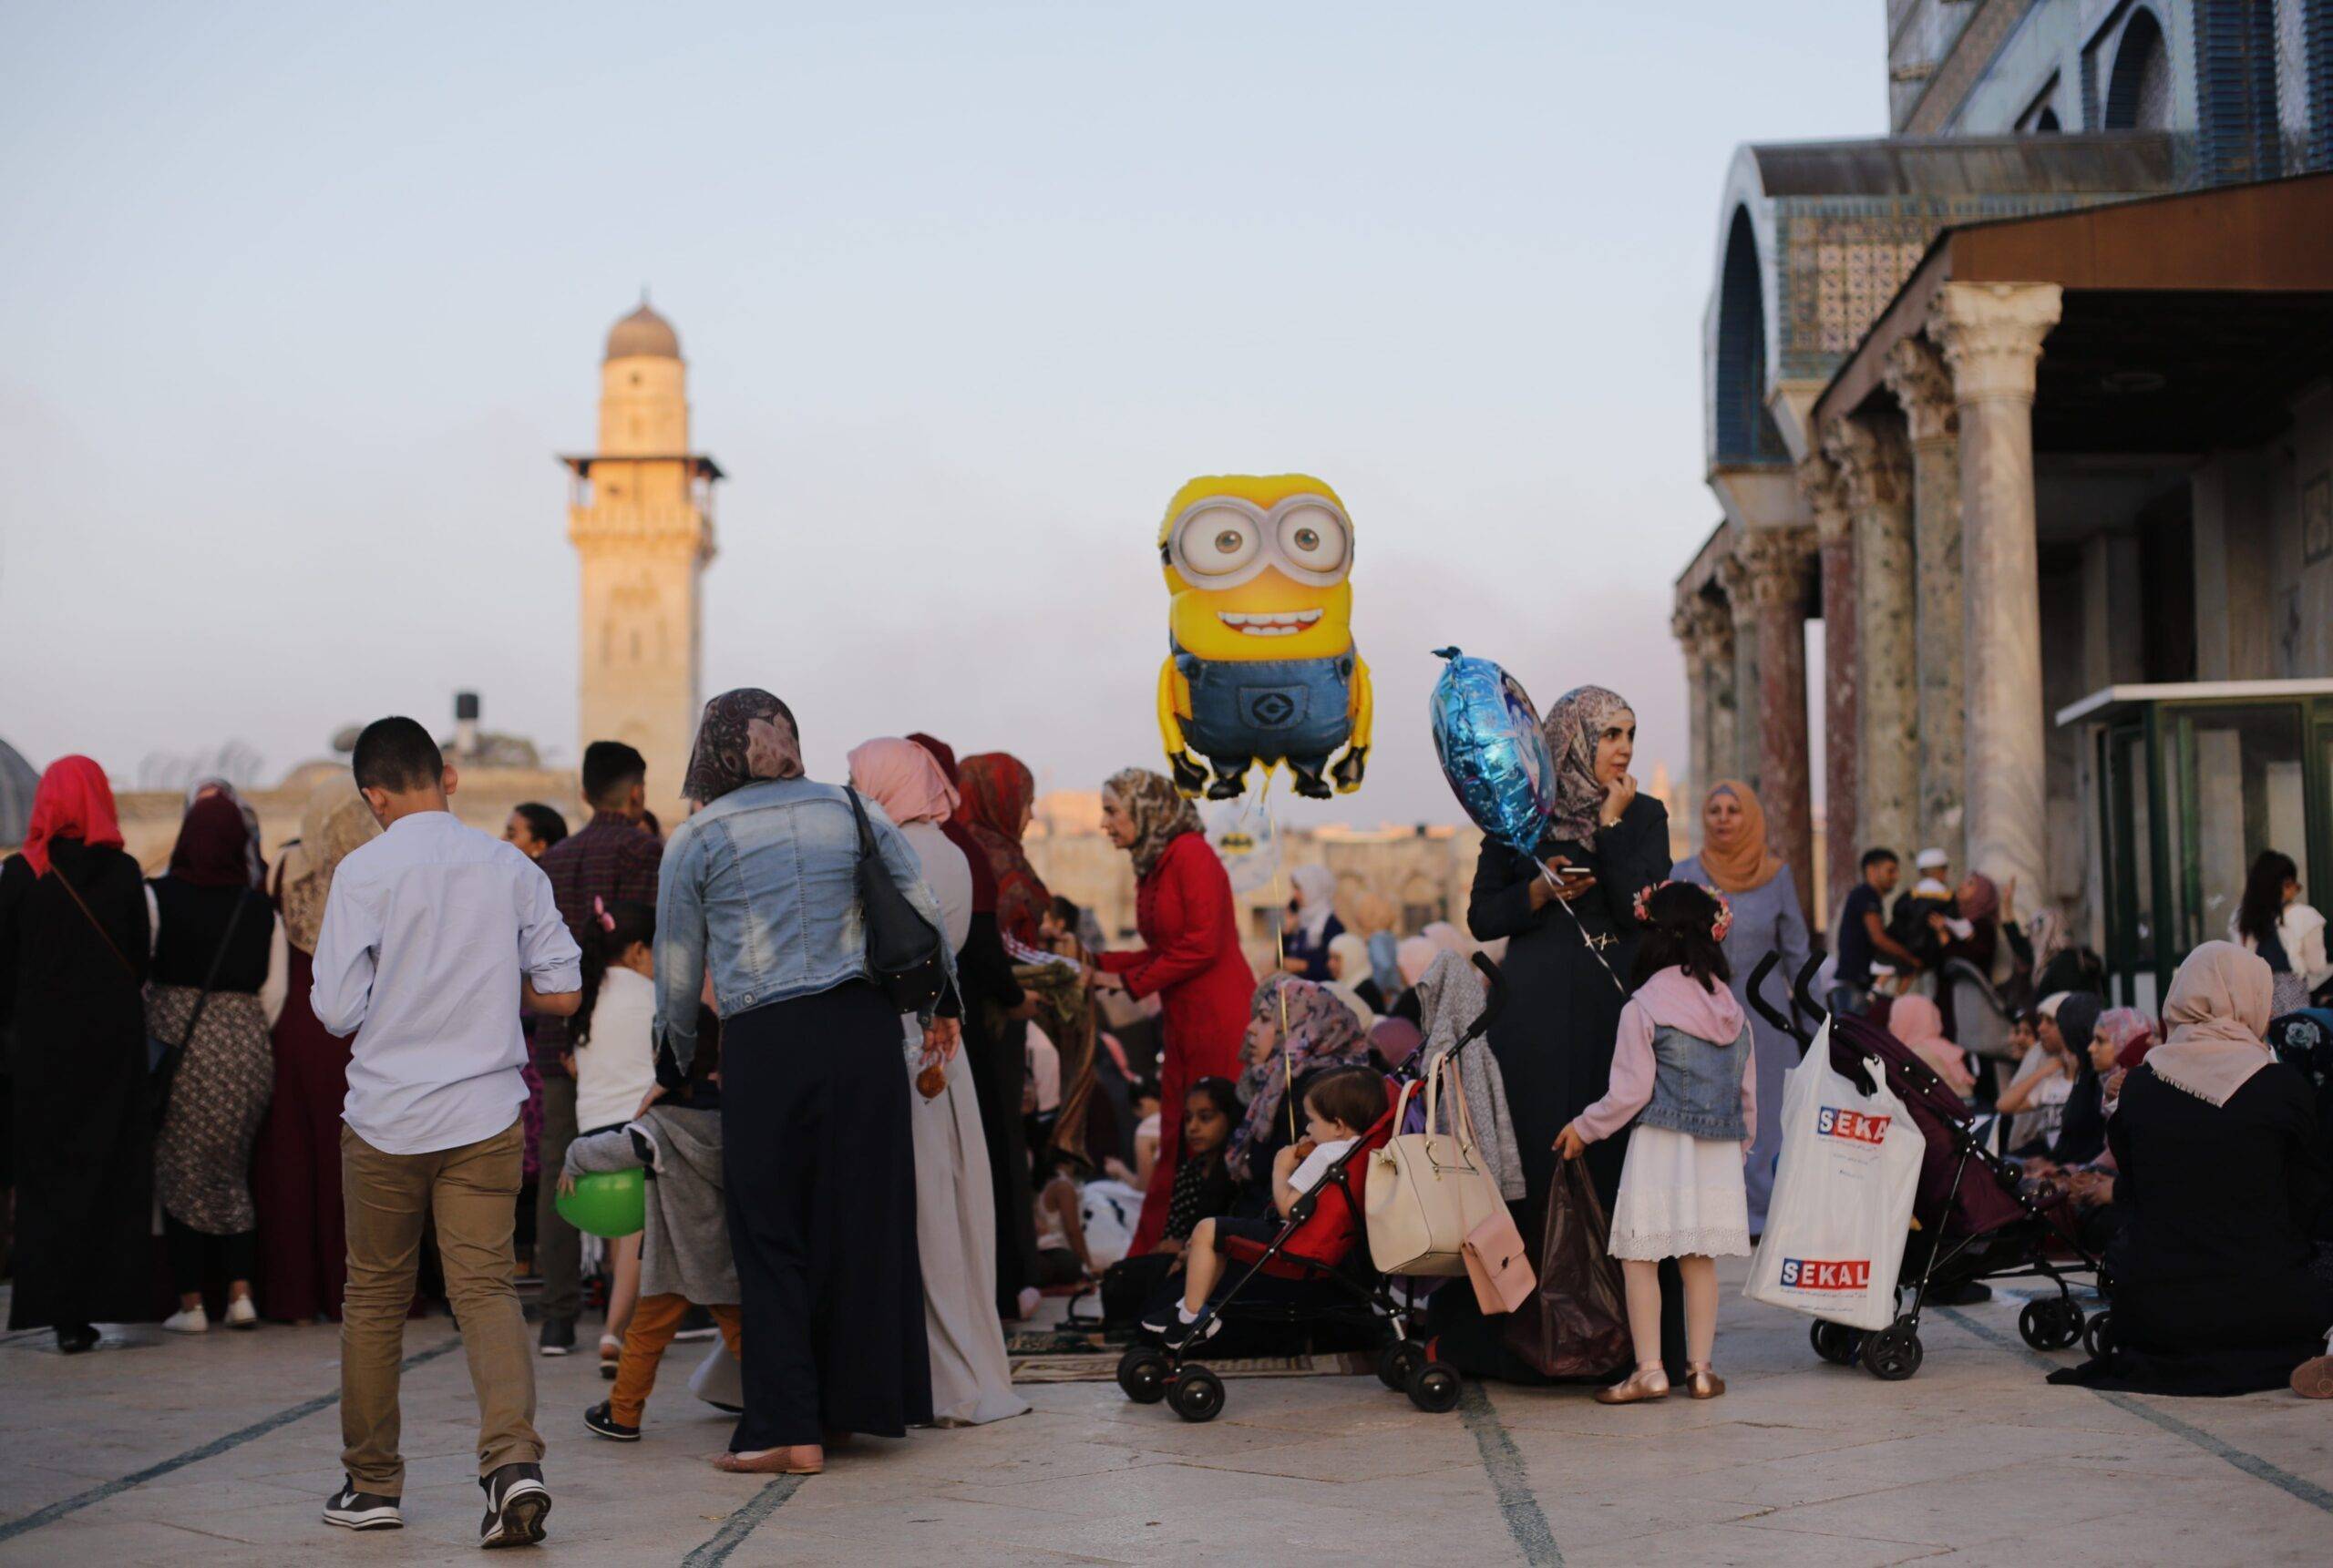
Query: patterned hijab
point(998, 791)
point(1320, 1032)
point(745, 734)
point(1572, 725)
point(335, 821)
point(1160, 815)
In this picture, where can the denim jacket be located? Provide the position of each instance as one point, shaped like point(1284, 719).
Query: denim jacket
point(761, 887)
point(1697, 1084)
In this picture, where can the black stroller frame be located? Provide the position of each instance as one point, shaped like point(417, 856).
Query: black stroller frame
point(1150, 1373)
point(2050, 1323)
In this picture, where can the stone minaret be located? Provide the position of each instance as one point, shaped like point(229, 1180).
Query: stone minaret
point(641, 516)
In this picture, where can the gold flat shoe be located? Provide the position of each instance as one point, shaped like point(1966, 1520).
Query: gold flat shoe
point(1644, 1383)
point(1703, 1384)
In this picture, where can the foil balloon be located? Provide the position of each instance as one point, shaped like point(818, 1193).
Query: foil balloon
point(1492, 750)
point(1261, 666)
point(1244, 840)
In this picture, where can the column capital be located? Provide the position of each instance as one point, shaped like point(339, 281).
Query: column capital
point(1821, 483)
point(1991, 335)
point(1771, 566)
point(1704, 626)
point(1872, 460)
point(1916, 373)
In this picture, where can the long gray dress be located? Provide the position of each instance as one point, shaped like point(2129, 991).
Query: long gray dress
point(1766, 919)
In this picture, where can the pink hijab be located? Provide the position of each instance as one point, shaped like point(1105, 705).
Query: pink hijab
point(905, 780)
point(1916, 1020)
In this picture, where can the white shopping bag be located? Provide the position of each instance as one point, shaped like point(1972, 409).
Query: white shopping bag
point(1842, 1205)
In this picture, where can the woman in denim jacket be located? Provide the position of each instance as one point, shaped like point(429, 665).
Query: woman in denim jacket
point(759, 890)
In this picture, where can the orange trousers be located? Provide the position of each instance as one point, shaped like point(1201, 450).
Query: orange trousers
point(653, 1323)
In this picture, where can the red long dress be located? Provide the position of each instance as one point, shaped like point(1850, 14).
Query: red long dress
point(1190, 956)
point(295, 1168)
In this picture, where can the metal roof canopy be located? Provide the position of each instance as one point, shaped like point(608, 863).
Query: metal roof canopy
point(2114, 701)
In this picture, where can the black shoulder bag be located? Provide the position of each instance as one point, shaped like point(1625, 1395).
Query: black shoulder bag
point(906, 958)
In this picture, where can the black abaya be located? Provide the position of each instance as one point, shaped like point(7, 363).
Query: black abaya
point(996, 1048)
point(74, 1014)
point(819, 1158)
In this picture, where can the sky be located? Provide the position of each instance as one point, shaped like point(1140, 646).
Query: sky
point(301, 300)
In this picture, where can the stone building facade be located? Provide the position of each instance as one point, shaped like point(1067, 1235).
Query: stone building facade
point(2025, 402)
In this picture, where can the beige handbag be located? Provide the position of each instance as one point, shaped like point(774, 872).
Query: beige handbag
point(1428, 1191)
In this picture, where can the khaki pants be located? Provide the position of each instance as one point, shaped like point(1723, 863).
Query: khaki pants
point(653, 1323)
point(473, 1193)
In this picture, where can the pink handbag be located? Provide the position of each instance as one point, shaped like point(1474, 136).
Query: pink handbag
point(1496, 1263)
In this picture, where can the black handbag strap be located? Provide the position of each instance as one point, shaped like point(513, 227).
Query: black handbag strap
point(866, 832)
point(95, 924)
point(218, 960)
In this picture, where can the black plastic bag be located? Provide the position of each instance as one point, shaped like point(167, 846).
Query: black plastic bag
point(1575, 1322)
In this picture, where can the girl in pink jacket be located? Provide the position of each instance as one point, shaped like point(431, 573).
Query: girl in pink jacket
point(1683, 1074)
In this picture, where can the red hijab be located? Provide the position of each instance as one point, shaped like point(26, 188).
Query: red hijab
point(74, 801)
point(214, 848)
point(998, 791)
point(983, 878)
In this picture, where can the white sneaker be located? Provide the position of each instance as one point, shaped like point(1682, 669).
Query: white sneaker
point(187, 1320)
point(241, 1314)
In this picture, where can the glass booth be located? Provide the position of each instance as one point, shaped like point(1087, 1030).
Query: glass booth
point(2189, 783)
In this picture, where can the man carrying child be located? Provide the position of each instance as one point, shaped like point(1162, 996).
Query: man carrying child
point(433, 936)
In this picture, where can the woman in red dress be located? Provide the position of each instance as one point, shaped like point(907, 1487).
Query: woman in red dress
point(1190, 956)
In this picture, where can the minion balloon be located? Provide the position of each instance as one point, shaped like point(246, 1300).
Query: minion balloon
point(1262, 666)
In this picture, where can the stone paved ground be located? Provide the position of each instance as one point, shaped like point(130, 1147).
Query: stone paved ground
point(222, 1449)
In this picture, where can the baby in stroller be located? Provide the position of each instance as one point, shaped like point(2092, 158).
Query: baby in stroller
point(1339, 1107)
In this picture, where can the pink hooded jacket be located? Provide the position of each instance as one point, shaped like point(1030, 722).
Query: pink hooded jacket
point(1668, 997)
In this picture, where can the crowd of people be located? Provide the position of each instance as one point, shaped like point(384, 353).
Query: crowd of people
point(405, 1028)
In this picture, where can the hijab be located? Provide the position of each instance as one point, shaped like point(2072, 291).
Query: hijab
point(2082, 1128)
point(1742, 859)
point(73, 801)
point(213, 849)
point(2132, 1035)
point(2048, 933)
point(254, 864)
point(1318, 887)
point(1572, 725)
point(1416, 955)
point(1160, 814)
point(1318, 1031)
point(745, 734)
point(2217, 1013)
point(905, 780)
point(335, 821)
point(997, 791)
point(1985, 902)
point(1353, 953)
point(1446, 938)
point(984, 877)
point(1918, 1023)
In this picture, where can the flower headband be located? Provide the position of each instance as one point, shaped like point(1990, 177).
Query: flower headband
point(1718, 928)
point(608, 921)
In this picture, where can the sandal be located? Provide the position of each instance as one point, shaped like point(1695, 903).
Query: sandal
point(1644, 1385)
point(805, 1460)
point(1700, 1382)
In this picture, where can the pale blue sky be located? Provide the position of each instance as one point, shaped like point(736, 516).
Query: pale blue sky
point(300, 301)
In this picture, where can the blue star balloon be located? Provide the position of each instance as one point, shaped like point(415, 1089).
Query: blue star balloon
point(1493, 752)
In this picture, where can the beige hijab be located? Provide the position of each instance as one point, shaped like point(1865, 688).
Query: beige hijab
point(335, 821)
point(2217, 1012)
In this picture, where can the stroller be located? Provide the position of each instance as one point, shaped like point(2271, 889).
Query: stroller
point(1321, 1242)
point(1972, 1221)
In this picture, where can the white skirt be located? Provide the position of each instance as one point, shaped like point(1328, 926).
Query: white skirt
point(1681, 1196)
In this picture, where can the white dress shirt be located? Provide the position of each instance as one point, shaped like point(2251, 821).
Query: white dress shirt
point(425, 934)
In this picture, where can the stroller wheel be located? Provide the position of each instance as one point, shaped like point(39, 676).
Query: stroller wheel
point(1434, 1387)
point(1398, 1360)
point(1142, 1374)
point(1894, 1353)
point(2099, 1337)
point(2052, 1325)
point(1835, 1342)
point(1197, 1394)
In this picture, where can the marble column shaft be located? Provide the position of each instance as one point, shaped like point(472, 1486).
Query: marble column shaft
point(1875, 464)
point(1923, 386)
point(1722, 699)
point(1683, 625)
point(1774, 563)
point(1818, 479)
point(1749, 763)
point(1991, 337)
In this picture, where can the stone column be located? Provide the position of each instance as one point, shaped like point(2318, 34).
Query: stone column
point(1774, 569)
point(1917, 376)
point(1991, 337)
point(1684, 624)
point(1713, 625)
point(1876, 467)
point(1748, 763)
point(1826, 497)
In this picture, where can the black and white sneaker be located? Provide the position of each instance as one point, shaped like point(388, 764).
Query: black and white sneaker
point(517, 1502)
point(1176, 1334)
point(354, 1510)
point(557, 1337)
point(598, 1420)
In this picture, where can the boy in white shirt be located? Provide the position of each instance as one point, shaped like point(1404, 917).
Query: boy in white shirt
point(1340, 1105)
point(434, 935)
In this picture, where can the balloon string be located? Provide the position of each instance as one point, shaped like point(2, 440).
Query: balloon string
point(1581, 926)
point(1279, 948)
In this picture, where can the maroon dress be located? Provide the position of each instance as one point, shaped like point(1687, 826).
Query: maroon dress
point(295, 1168)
